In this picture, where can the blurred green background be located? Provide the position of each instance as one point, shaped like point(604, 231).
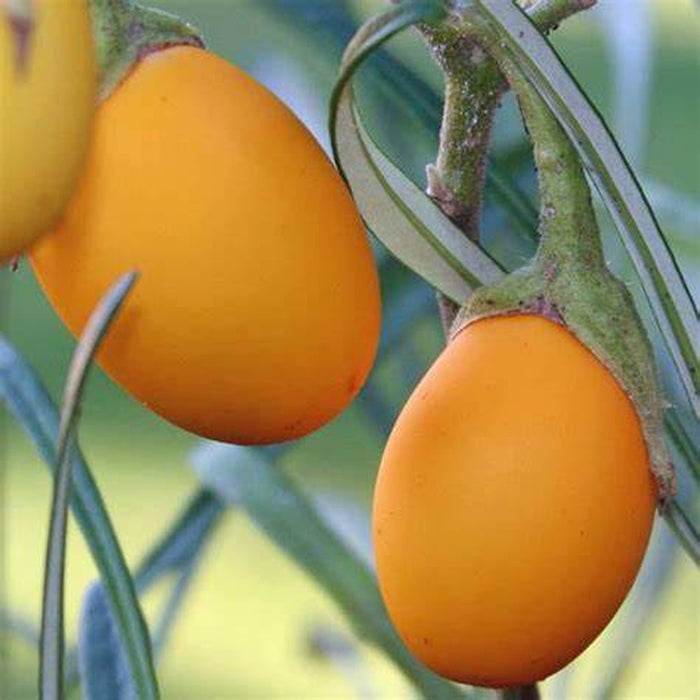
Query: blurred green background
point(244, 629)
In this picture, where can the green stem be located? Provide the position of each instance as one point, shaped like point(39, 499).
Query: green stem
point(125, 32)
point(474, 86)
point(568, 229)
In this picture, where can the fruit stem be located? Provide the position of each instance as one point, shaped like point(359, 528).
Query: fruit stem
point(474, 86)
point(125, 32)
point(569, 231)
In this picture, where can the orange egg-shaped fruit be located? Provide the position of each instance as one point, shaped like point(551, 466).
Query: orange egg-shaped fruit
point(513, 506)
point(257, 312)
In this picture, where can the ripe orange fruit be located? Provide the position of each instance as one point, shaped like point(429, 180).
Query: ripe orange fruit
point(48, 92)
point(513, 506)
point(257, 314)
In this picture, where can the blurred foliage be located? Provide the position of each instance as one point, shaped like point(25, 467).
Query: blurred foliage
point(245, 627)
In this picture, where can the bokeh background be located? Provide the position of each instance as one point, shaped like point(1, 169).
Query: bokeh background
point(248, 624)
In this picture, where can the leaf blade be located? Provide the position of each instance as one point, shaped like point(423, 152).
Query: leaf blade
point(29, 402)
point(419, 234)
point(52, 633)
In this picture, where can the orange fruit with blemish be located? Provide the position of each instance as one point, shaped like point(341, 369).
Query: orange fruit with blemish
point(513, 506)
point(256, 316)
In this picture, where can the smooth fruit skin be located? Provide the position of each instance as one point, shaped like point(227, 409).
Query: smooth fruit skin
point(256, 317)
point(513, 506)
point(47, 101)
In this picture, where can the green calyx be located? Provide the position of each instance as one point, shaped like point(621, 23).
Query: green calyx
point(568, 281)
point(125, 32)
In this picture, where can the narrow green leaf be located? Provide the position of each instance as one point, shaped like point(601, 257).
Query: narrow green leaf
point(173, 552)
point(398, 213)
point(52, 632)
point(28, 400)
point(246, 479)
point(662, 281)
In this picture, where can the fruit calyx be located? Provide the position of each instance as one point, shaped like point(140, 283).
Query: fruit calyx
point(567, 281)
point(125, 32)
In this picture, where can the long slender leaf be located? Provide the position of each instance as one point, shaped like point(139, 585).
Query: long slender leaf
point(29, 402)
point(661, 278)
point(244, 478)
point(52, 632)
point(398, 213)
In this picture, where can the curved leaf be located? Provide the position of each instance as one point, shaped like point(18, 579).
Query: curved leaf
point(398, 212)
point(52, 632)
point(28, 401)
point(662, 281)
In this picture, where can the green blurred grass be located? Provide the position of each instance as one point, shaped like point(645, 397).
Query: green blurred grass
point(242, 631)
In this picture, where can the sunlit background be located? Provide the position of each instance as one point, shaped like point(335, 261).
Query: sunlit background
point(248, 624)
